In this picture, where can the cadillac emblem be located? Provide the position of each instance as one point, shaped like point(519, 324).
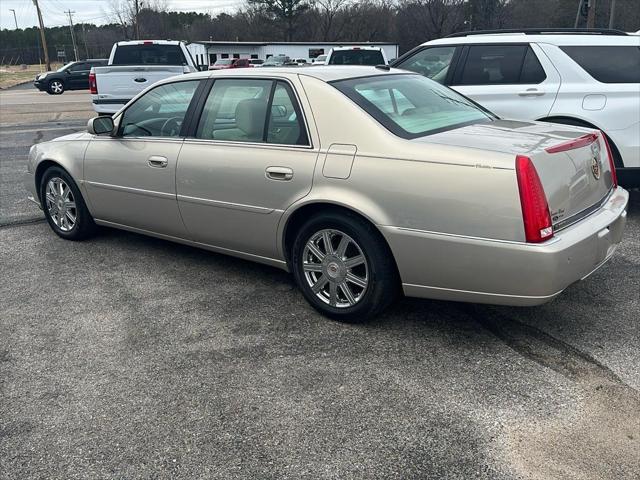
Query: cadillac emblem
point(595, 160)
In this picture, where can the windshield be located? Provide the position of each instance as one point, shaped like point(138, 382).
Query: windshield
point(357, 57)
point(223, 62)
point(412, 106)
point(321, 58)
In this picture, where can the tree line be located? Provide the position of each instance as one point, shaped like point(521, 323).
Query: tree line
point(406, 22)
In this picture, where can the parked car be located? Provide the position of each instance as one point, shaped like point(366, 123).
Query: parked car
point(575, 77)
point(222, 64)
point(73, 76)
point(276, 61)
point(364, 55)
point(241, 63)
point(358, 180)
point(319, 60)
point(132, 67)
point(256, 62)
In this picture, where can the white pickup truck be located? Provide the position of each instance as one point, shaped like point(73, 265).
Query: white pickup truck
point(132, 67)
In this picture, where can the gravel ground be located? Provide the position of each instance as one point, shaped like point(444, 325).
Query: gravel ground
point(131, 357)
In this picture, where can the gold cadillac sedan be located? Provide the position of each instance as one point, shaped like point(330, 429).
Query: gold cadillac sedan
point(361, 181)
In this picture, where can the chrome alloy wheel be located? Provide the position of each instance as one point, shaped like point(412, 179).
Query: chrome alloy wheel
point(60, 204)
point(335, 268)
point(56, 87)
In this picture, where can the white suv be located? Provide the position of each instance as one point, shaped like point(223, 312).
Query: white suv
point(586, 78)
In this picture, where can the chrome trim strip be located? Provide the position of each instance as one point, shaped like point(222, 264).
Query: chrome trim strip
point(504, 295)
point(433, 162)
point(136, 191)
point(221, 204)
point(469, 237)
point(231, 143)
point(575, 218)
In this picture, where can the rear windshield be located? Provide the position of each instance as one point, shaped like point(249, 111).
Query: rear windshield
point(412, 106)
point(618, 64)
point(149, 54)
point(223, 62)
point(357, 57)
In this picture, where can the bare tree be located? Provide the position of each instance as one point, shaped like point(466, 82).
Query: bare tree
point(329, 10)
point(287, 11)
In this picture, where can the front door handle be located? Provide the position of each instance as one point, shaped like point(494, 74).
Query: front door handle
point(531, 92)
point(157, 161)
point(279, 173)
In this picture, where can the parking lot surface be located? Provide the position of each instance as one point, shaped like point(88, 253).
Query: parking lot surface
point(131, 357)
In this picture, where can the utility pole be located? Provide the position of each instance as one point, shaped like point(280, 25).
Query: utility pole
point(73, 35)
point(14, 17)
point(591, 16)
point(612, 13)
point(137, 5)
point(42, 37)
point(84, 39)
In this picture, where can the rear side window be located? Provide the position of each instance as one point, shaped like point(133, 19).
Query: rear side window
point(617, 64)
point(433, 62)
point(149, 54)
point(501, 65)
point(356, 57)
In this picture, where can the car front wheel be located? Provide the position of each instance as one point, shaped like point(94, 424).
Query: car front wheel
point(343, 267)
point(56, 87)
point(64, 207)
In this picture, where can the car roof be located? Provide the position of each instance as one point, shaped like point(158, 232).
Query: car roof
point(326, 73)
point(356, 47)
point(560, 39)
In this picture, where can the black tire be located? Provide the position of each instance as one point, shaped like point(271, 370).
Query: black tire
point(84, 226)
point(383, 282)
point(56, 87)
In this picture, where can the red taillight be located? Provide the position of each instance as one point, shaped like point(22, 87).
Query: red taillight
point(93, 85)
point(535, 210)
point(612, 166)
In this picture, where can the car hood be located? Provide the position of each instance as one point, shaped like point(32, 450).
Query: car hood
point(507, 136)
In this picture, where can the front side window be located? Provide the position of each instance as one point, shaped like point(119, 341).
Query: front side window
point(617, 64)
point(493, 64)
point(433, 63)
point(160, 112)
point(79, 67)
point(236, 110)
point(412, 106)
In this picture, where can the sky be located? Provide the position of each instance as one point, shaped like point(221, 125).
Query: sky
point(91, 11)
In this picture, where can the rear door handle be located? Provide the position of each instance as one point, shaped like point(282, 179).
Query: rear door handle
point(279, 173)
point(157, 161)
point(531, 92)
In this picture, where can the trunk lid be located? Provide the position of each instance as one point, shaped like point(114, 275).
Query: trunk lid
point(572, 162)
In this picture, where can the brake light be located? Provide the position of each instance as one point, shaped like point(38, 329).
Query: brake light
point(535, 210)
point(612, 166)
point(579, 142)
point(93, 85)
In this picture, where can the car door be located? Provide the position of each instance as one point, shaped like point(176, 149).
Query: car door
point(508, 79)
point(248, 158)
point(78, 77)
point(130, 177)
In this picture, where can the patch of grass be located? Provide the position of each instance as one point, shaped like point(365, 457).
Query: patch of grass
point(14, 75)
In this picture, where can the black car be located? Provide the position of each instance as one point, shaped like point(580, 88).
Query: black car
point(73, 76)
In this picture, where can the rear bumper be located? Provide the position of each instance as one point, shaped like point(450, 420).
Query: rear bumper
point(110, 105)
point(458, 268)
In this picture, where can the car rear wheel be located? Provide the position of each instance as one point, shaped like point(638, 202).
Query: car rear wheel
point(56, 87)
point(343, 267)
point(64, 207)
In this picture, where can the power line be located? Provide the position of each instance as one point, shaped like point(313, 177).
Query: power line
point(73, 36)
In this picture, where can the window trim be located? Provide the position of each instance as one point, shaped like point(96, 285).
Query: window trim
point(185, 123)
point(199, 110)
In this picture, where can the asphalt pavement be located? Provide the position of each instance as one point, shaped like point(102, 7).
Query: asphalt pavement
point(131, 357)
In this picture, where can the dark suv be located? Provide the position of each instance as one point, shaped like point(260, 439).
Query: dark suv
point(73, 76)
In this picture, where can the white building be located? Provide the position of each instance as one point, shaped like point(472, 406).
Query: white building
point(207, 52)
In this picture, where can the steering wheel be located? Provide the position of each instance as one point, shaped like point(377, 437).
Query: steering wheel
point(171, 127)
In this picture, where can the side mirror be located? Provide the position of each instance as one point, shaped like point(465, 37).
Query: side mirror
point(100, 125)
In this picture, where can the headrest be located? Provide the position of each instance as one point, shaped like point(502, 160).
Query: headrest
point(250, 117)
